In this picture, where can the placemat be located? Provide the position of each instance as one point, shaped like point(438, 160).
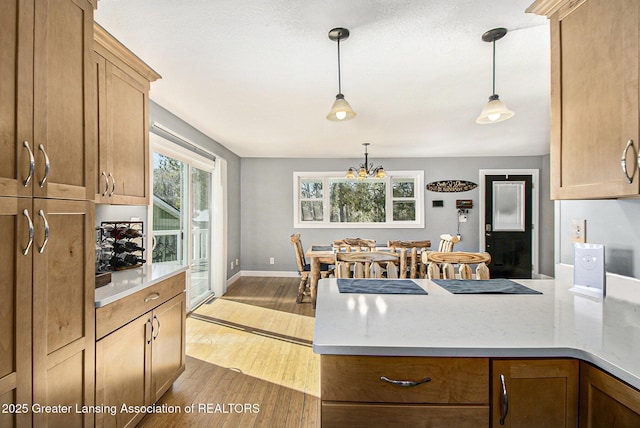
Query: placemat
point(488, 286)
point(379, 286)
point(321, 248)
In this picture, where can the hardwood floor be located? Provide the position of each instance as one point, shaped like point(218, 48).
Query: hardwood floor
point(249, 362)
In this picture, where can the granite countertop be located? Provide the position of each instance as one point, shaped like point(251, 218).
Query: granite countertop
point(557, 323)
point(126, 282)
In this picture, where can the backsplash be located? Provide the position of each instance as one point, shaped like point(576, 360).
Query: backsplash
point(120, 213)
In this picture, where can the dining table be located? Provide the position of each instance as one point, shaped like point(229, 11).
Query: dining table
point(323, 254)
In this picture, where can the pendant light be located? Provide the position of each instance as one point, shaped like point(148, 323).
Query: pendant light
point(366, 169)
point(341, 110)
point(495, 110)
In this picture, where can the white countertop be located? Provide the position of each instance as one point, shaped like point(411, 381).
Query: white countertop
point(557, 323)
point(126, 282)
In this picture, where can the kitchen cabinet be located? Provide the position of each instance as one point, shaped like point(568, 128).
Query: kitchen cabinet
point(594, 97)
point(47, 220)
point(530, 392)
point(122, 82)
point(45, 99)
point(141, 350)
point(381, 391)
point(605, 401)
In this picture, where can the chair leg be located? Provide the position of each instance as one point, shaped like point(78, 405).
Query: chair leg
point(302, 288)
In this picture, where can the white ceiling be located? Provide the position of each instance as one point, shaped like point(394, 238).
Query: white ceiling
point(259, 76)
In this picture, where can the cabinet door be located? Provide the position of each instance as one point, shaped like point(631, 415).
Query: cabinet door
point(63, 42)
point(128, 135)
point(122, 377)
point(594, 99)
point(605, 401)
point(542, 393)
point(63, 308)
point(168, 346)
point(16, 96)
point(15, 310)
point(102, 167)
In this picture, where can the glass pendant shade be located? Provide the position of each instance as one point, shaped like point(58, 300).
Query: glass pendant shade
point(341, 110)
point(362, 174)
point(351, 173)
point(380, 173)
point(494, 111)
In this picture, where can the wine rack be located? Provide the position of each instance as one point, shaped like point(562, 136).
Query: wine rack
point(122, 244)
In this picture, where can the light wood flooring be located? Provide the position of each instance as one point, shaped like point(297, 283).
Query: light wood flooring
point(249, 350)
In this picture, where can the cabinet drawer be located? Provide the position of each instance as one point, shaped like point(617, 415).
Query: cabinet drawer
point(358, 379)
point(116, 314)
point(336, 415)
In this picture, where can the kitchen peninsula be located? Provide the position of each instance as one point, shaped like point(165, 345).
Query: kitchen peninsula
point(468, 353)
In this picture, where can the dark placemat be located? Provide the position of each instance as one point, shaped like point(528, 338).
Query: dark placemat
point(488, 286)
point(379, 286)
point(321, 248)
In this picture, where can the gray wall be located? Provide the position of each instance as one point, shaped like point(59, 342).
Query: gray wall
point(267, 206)
point(614, 223)
point(159, 114)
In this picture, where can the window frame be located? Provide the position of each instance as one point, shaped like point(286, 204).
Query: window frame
point(325, 176)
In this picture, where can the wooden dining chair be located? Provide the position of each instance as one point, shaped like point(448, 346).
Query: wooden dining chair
point(444, 262)
point(447, 242)
point(366, 264)
point(410, 257)
point(304, 268)
point(354, 244)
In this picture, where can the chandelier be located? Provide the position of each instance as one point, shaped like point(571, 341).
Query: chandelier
point(495, 110)
point(366, 169)
point(340, 110)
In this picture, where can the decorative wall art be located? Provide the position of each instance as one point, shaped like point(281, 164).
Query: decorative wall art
point(451, 186)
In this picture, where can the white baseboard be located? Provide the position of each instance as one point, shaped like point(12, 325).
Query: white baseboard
point(270, 273)
point(234, 278)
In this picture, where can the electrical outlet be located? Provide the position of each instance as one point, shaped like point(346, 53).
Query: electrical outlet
point(579, 230)
point(231, 265)
point(272, 261)
point(237, 262)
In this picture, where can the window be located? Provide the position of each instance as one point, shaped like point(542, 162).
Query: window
point(330, 200)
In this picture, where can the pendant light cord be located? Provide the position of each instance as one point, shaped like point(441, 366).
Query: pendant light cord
point(339, 80)
point(494, 66)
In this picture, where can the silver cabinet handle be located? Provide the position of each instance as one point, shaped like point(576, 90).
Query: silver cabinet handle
point(113, 184)
point(504, 404)
point(405, 383)
point(152, 296)
point(623, 162)
point(106, 183)
point(46, 231)
point(150, 323)
point(32, 164)
point(47, 165)
point(157, 333)
point(26, 250)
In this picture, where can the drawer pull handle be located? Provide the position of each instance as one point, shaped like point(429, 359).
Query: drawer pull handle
point(46, 231)
point(405, 383)
point(152, 296)
point(623, 163)
point(504, 404)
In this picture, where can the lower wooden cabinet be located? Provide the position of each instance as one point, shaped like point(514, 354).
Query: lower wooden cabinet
point(605, 401)
point(138, 362)
point(534, 393)
point(404, 391)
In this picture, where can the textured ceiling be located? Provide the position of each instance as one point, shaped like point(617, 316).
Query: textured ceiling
point(259, 76)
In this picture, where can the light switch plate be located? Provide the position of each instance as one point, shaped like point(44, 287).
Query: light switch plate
point(579, 230)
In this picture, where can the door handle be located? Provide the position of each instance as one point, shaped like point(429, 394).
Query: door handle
point(26, 249)
point(504, 402)
point(155, 336)
point(32, 164)
point(113, 184)
point(623, 162)
point(47, 165)
point(46, 231)
point(106, 183)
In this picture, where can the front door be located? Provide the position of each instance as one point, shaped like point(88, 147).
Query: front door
point(508, 225)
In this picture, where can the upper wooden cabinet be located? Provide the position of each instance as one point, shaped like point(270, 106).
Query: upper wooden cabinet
point(45, 99)
point(594, 97)
point(122, 83)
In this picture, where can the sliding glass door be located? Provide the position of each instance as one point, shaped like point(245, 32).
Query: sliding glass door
point(182, 217)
